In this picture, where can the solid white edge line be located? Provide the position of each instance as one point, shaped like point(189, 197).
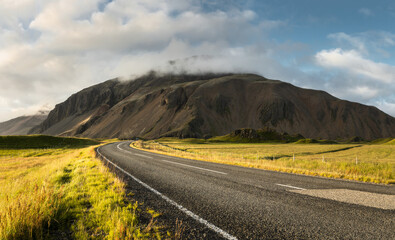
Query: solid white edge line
point(186, 165)
point(180, 207)
point(283, 185)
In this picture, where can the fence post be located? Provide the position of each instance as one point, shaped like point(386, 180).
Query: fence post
point(323, 158)
point(356, 160)
point(294, 157)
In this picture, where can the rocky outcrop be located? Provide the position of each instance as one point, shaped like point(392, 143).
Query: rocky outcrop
point(154, 106)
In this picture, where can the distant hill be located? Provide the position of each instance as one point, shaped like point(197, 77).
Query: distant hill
point(208, 105)
point(22, 125)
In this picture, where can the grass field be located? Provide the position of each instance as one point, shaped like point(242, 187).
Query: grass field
point(62, 191)
point(43, 141)
point(363, 162)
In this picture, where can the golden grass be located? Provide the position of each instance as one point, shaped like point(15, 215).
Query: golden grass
point(28, 200)
point(99, 201)
point(363, 162)
point(44, 192)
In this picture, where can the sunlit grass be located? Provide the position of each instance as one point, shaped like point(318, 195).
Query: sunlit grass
point(44, 192)
point(363, 162)
point(98, 201)
point(28, 199)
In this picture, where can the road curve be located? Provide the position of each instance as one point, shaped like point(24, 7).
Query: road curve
point(216, 201)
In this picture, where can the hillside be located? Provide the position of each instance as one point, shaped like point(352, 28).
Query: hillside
point(21, 125)
point(155, 106)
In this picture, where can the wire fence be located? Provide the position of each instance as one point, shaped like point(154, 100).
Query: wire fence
point(333, 163)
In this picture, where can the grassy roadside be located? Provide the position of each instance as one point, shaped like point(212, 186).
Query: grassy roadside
point(62, 193)
point(362, 162)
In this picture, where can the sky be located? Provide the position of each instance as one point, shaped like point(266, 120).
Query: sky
point(50, 49)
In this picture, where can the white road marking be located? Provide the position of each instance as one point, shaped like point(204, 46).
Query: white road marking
point(161, 155)
point(368, 199)
point(180, 207)
point(283, 185)
point(141, 155)
point(120, 147)
point(185, 165)
point(205, 169)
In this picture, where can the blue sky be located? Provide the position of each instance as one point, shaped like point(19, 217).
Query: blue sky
point(50, 49)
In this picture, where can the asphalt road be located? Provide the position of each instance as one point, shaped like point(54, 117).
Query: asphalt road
point(216, 201)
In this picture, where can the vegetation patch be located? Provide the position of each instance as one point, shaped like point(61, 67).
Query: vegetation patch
point(383, 141)
point(248, 135)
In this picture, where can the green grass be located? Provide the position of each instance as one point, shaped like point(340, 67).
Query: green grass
point(363, 162)
point(383, 141)
point(43, 141)
point(46, 193)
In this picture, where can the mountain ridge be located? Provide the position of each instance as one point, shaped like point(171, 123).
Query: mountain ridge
point(207, 105)
point(23, 124)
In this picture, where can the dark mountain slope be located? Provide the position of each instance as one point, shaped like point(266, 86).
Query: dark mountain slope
point(207, 105)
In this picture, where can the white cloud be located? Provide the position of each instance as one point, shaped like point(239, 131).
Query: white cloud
point(386, 106)
point(353, 62)
point(354, 41)
point(371, 43)
point(12, 13)
point(366, 12)
point(134, 26)
point(350, 74)
point(365, 91)
point(386, 38)
point(360, 68)
point(51, 49)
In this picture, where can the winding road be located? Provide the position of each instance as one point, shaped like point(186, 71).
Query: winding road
point(216, 201)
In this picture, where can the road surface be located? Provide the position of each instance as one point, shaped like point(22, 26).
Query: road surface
point(216, 201)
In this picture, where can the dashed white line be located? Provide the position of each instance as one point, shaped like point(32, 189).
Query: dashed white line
point(180, 207)
point(289, 186)
point(185, 165)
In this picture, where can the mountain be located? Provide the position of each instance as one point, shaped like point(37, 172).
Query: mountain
point(22, 125)
point(155, 106)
